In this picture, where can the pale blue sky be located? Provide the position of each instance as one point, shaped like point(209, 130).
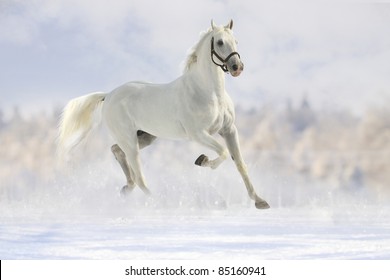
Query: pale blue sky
point(53, 50)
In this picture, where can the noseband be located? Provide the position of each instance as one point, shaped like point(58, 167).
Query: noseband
point(224, 61)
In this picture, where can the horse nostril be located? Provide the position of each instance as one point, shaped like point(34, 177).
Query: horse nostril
point(235, 67)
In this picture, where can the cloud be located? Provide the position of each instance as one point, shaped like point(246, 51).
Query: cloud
point(332, 52)
point(61, 49)
point(16, 26)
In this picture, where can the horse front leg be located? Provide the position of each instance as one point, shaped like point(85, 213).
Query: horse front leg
point(232, 142)
point(207, 140)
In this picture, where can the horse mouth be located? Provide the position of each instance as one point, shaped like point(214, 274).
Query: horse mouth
point(236, 73)
point(236, 69)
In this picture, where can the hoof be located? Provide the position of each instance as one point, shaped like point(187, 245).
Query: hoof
point(262, 204)
point(125, 191)
point(201, 160)
point(146, 191)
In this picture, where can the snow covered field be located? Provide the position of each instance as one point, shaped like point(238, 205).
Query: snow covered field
point(194, 213)
point(227, 234)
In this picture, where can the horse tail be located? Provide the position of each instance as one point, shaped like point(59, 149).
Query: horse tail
point(80, 116)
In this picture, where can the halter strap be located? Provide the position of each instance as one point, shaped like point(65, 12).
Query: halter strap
point(224, 61)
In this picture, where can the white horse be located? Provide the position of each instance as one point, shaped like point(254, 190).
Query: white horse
point(195, 106)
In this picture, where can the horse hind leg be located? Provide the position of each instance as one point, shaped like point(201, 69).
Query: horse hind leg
point(121, 158)
point(131, 150)
point(144, 140)
point(133, 172)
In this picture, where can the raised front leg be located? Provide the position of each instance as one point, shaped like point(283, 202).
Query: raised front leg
point(231, 138)
point(207, 140)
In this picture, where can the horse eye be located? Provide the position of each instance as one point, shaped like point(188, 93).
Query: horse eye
point(220, 43)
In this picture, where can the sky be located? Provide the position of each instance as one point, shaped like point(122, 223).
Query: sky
point(337, 54)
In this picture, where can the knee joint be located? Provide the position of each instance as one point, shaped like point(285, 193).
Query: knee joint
point(242, 167)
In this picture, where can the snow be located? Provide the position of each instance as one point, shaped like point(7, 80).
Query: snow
point(225, 234)
point(194, 213)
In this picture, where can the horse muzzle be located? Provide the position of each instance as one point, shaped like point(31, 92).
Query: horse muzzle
point(236, 69)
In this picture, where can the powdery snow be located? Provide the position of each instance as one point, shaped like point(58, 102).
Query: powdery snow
point(278, 234)
point(185, 232)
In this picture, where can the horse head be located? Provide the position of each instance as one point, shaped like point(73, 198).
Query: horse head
point(224, 49)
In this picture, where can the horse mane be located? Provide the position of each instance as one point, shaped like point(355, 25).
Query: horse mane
point(192, 56)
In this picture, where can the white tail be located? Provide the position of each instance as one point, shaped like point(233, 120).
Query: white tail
point(80, 116)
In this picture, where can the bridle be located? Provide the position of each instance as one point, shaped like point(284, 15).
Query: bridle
point(224, 61)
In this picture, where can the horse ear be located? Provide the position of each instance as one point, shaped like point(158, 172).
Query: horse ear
point(213, 25)
point(230, 24)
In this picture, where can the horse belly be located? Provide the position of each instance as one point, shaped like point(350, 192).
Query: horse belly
point(162, 127)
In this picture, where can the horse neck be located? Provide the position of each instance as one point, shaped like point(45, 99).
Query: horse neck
point(208, 76)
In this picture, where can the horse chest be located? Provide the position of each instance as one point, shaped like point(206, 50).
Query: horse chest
point(219, 116)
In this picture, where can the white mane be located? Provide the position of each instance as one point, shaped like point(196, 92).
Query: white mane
point(192, 56)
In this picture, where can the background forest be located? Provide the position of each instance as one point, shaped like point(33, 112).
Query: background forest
point(334, 150)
